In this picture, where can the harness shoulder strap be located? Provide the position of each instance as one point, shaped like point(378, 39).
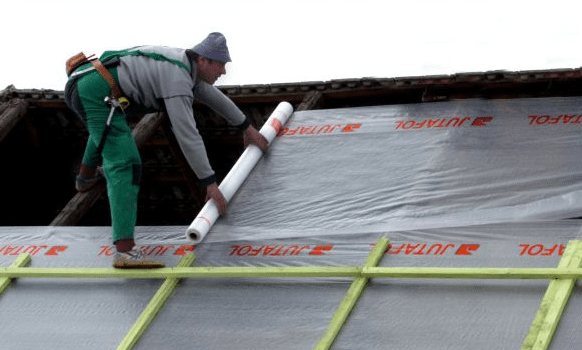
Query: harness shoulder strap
point(99, 67)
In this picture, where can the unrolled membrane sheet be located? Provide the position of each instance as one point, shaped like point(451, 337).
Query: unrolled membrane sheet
point(414, 166)
point(473, 183)
point(288, 313)
point(238, 174)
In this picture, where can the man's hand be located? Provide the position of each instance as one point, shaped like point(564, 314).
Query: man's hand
point(251, 135)
point(212, 192)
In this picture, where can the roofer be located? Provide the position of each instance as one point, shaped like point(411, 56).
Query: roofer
point(147, 79)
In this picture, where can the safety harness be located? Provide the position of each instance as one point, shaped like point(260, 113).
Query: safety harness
point(116, 100)
point(80, 59)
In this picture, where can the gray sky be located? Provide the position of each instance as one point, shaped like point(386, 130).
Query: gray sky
point(274, 41)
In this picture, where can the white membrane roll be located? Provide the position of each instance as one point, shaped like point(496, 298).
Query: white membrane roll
point(239, 172)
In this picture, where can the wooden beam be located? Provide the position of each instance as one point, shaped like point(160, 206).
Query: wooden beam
point(554, 302)
point(15, 110)
point(259, 98)
point(47, 104)
point(306, 272)
point(179, 272)
point(351, 298)
point(310, 100)
point(21, 261)
point(501, 273)
point(257, 117)
point(153, 308)
point(146, 127)
point(3, 107)
point(80, 204)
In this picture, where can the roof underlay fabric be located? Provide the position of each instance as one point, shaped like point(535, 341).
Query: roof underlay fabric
point(468, 183)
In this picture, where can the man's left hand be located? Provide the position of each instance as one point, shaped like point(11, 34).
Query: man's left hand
point(213, 192)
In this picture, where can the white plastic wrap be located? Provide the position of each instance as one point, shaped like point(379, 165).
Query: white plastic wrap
point(239, 172)
point(288, 313)
point(403, 167)
point(472, 183)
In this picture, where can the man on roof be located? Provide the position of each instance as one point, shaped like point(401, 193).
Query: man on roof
point(148, 79)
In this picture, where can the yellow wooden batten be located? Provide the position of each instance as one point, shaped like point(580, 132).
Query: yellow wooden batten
point(563, 279)
point(305, 272)
point(154, 306)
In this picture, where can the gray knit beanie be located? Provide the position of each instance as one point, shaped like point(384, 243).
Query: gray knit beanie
point(213, 47)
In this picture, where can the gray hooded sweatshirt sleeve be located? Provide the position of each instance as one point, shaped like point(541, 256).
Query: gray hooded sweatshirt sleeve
point(159, 84)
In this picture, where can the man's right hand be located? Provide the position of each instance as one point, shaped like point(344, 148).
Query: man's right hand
point(212, 192)
point(252, 136)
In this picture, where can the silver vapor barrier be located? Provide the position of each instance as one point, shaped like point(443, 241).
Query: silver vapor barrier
point(289, 313)
point(467, 184)
point(414, 166)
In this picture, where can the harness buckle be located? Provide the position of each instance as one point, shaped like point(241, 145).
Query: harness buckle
point(120, 102)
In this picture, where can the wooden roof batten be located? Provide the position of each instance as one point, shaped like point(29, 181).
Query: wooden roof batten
point(10, 114)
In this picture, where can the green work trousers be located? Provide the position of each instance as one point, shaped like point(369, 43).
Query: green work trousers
point(121, 160)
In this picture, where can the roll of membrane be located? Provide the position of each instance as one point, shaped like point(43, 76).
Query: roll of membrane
point(199, 228)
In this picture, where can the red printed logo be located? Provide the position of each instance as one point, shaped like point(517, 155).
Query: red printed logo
point(185, 249)
point(351, 127)
point(320, 250)
point(435, 249)
point(555, 119)
point(482, 121)
point(467, 249)
point(279, 250)
point(32, 249)
point(154, 250)
point(538, 249)
point(321, 129)
point(444, 122)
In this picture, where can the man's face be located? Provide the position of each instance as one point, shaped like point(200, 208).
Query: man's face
point(209, 70)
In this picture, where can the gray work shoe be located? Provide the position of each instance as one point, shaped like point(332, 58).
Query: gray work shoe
point(134, 259)
point(84, 184)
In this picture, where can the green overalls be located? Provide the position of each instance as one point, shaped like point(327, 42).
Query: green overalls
point(121, 161)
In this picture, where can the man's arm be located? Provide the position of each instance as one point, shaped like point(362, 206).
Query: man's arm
point(179, 111)
point(221, 104)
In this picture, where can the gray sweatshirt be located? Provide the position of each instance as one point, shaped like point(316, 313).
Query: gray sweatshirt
point(160, 83)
